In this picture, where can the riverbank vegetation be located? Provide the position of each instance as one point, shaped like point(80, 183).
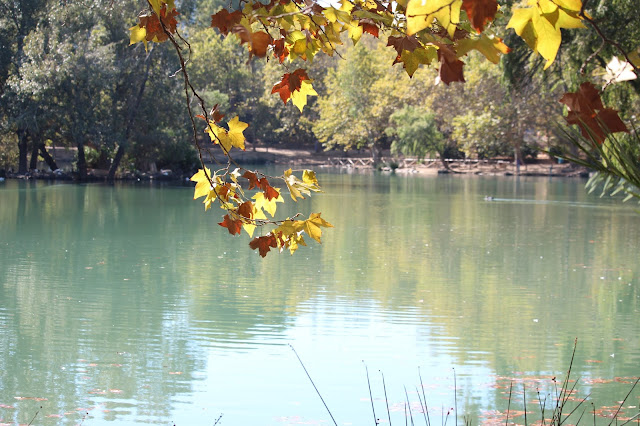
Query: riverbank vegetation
point(70, 79)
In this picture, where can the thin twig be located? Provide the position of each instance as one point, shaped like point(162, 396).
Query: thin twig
point(34, 417)
point(506, 422)
point(375, 419)
point(409, 405)
point(625, 399)
point(386, 400)
point(424, 397)
point(455, 395)
point(314, 385)
point(606, 39)
point(524, 401)
point(217, 420)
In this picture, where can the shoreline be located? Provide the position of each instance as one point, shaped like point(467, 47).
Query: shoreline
point(354, 160)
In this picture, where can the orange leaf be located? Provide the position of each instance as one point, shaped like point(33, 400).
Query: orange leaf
point(253, 179)
point(480, 12)
point(289, 83)
point(242, 32)
point(215, 114)
point(369, 26)
point(279, 50)
point(152, 24)
point(269, 192)
point(264, 244)
point(585, 101)
point(223, 191)
point(260, 41)
point(409, 43)
point(450, 65)
point(246, 210)
point(234, 226)
point(587, 111)
point(224, 21)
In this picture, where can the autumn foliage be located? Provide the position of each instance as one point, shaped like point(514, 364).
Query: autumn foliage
point(587, 111)
point(437, 33)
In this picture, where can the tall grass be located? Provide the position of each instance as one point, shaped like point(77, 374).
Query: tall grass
point(558, 407)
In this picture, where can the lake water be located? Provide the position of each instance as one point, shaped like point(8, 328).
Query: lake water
point(129, 304)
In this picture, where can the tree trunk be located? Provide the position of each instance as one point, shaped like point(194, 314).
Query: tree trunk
point(131, 115)
point(33, 164)
point(116, 162)
point(517, 157)
point(375, 153)
point(445, 164)
point(47, 157)
point(81, 163)
point(23, 134)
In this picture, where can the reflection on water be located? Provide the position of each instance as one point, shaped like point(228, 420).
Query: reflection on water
point(130, 304)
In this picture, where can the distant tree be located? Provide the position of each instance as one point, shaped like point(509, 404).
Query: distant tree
point(415, 133)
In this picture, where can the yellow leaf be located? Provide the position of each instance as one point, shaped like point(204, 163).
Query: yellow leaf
point(355, 31)
point(313, 224)
point(236, 127)
point(346, 6)
point(299, 97)
point(249, 228)
point(288, 228)
point(258, 214)
point(421, 13)
point(294, 242)
point(548, 38)
point(635, 57)
point(332, 14)
point(228, 138)
point(490, 47)
point(568, 20)
point(218, 135)
point(138, 34)
point(203, 186)
point(412, 60)
point(261, 202)
point(156, 5)
point(289, 234)
point(209, 199)
point(299, 47)
point(298, 187)
point(540, 25)
point(536, 30)
point(573, 5)
point(309, 177)
point(547, 6)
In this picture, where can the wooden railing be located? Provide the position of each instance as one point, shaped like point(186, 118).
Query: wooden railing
point(410, 162)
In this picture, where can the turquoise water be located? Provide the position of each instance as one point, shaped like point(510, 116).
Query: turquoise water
point(129, 304)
